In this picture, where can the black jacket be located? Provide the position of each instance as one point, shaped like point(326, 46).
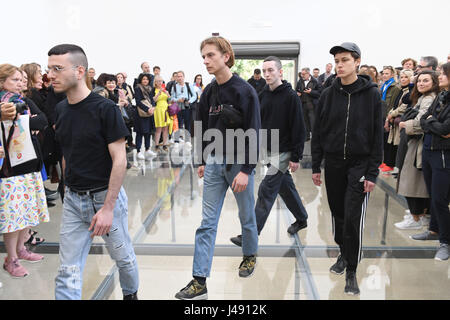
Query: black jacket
point(282, 109)
point(259, 85)
point(329, 81)
point(53, 99)
point(315, 87)
point(349, 125)
point(321, 78)
point(439, 123)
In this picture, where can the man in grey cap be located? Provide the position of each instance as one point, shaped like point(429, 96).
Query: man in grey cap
point(348, 134)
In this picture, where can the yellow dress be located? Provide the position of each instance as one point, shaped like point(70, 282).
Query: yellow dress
point(161, 115)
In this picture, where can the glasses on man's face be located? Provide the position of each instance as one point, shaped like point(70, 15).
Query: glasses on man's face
point(58, 69)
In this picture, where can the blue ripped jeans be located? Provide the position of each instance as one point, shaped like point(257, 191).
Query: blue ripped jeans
point(75, 243)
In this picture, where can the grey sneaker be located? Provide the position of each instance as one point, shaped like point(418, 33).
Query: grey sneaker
point(442, 253)
point(247, 266)
point(427, 235)
point(237, 240)
point(193, 291)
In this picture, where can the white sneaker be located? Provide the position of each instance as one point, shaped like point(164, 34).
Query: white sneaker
point(408, 224)
point(149, 154)
point(425, 220)
point(140, 156)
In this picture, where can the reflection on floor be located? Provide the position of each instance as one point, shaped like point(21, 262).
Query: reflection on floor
point(165, 210)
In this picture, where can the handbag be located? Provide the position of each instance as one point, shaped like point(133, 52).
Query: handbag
point(18, 144)
point(410, 114)
point(142, 113)
point(397, 120)
point(173, 109)
point(230, 116)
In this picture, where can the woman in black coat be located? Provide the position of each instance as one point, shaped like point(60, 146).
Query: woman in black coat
point(436, 166)
point(144, 126)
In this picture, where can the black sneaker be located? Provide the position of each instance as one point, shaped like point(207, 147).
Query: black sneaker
point(247, 266)
point(297, 226)
point(193, 291)
point(351, 285)
point(132, 296)
point(339, 266)
point(237, 240)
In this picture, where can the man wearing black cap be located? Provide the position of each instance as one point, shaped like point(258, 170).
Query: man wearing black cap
point(348, 134)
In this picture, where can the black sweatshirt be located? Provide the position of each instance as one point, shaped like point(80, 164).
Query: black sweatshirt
point(241, 95)
point(349, 125)
point(282, 109)
point(438, 124)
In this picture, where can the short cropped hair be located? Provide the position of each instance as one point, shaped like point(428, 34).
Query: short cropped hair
point(431, 61)
point(407, 72)
point(276, 60)
point(77, 55)
point(306, 69)
point(223, 45)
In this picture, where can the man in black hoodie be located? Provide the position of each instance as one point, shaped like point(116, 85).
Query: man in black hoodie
point(227, 167)
point(281, 110)
point(348, 134)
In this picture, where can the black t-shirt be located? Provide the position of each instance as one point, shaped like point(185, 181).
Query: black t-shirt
point(84, 131)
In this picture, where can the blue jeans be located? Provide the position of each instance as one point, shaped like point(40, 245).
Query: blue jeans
point(75, 242)
point(216, 182)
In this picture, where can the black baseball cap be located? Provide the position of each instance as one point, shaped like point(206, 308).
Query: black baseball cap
point(346, 46)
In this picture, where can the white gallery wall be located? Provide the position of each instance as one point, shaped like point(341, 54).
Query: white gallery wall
point(118, 35)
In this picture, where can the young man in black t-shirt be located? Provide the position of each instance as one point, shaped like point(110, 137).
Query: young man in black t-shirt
point(348, 134)
point(91, 132)
point(221, 170)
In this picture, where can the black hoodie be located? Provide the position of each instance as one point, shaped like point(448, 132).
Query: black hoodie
point(282, 109)
point(242, 96)
point(349, 125)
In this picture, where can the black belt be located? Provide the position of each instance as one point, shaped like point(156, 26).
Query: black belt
point(88, 192)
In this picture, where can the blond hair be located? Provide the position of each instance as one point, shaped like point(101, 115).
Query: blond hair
point(6, 71)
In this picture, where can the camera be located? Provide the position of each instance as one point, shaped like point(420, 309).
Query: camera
point(20, 107)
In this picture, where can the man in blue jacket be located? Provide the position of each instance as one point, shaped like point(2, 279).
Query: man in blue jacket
point(348, 134)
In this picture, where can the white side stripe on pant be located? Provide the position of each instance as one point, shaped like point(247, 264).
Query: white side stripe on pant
point(362, 223)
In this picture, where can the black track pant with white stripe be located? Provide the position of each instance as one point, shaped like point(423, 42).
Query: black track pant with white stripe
point(344, 182)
